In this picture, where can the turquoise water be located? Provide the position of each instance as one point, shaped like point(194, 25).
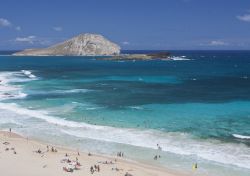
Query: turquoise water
point(197, 110)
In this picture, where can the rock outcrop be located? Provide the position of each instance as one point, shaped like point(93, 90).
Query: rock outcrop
point(148, 56)
point(81, 45)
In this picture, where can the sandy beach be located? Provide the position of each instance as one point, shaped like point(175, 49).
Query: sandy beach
point(25, 157)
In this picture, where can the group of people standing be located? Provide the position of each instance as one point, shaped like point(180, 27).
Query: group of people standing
point(95, 168)
point(120, 154)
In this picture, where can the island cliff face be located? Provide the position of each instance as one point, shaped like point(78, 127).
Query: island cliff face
point(81, 45)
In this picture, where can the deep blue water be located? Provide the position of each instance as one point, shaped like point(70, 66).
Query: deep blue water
point(203, 102)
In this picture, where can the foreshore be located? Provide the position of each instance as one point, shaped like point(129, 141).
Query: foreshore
point(25, 157)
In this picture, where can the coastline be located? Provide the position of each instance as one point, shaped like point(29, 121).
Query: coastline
point(28, 162)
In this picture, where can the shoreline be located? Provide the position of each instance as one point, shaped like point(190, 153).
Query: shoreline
point(50, 163)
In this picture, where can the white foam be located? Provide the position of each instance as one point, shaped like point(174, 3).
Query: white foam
point(19, 95)
point(14, 77)
point(6, 88)
point(72, 91)
point(136, 107)
point(39, 115)
point(32, 76)
point(176, 58)
point(28, 74)
point(4, 77)
point(9, 90)
point(92, 108)
point(241, 136)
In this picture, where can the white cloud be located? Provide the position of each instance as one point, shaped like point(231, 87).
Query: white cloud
point(4, 22)
point(125, 43)
point(57, 28)
point(18, 28)
point(33, 40)
point(245, 17)
point(217, 43)
point(30, 39)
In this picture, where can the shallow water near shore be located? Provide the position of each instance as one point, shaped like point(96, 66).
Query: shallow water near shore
point(197, 110)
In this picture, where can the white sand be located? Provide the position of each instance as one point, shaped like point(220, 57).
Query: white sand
point(26, 162)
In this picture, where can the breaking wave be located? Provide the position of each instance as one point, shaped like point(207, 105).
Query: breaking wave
point(9, 90)
point(28, 74)
point(241, 136)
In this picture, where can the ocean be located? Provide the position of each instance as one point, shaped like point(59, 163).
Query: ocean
point(195, 107)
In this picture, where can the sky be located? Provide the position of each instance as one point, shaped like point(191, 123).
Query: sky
point(133, 24)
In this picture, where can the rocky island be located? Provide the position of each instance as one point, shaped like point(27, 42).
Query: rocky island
point(81, 45)
point(90, 45)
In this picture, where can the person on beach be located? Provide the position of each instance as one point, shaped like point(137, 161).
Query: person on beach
point(91, 170)
point(159, 147)
point(195, 167)
point(10, 131)
point(155, 158)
